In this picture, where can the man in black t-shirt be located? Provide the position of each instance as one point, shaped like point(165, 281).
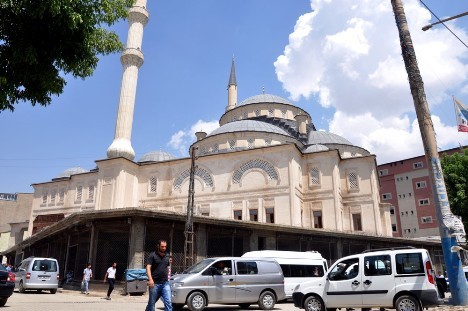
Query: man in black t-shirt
point(156, 269)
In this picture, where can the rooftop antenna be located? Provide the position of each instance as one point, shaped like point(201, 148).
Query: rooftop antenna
point(263, 89)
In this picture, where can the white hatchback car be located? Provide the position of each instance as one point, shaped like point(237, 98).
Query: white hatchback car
point(400, 278)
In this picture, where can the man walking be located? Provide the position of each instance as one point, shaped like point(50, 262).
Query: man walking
point(156, 269)
point(110, 276)
point(87, 275)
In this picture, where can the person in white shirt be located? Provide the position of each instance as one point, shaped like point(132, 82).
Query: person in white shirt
point(87, 275)
point(110, 276)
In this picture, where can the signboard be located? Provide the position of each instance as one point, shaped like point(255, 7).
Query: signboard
point(8, 196)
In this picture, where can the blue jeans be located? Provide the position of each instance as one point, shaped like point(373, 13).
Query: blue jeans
point(160, 290)
point(85, 286)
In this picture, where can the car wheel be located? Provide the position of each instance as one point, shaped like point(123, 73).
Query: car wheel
point(267, 300)
point(407, 303)
point(196, 301)
point(21, 287)
point(313, 303)
point(244, 305)
point(53, 291)
point(3, 302)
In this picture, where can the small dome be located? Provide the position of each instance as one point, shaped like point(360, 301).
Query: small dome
point(320, 137)
point(156, 156)
point(72, 171)
point(264, 98)
point(248, 126)
point(316, 148)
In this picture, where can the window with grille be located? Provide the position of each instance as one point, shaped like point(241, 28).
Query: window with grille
point(317, 219)
point(202, 150)
point(232, 144)
point(257, 113)
point(417, 165)
point(383, 172)
point(426, 220)
point(283, 114)
point(268, 142)
point(421, 184)
point(315, 176)
point(386, 196)
point(253, 215)
point(424, 202)
point(153, 184)
point(200, 172)
point(61, 196)
point(44, 198)
point(91, 192)
point(270, 215)
point(250, 143)
point(238, 214)
point(353, 181)
point(245, 115)
point(52, 197)
point(271, 113)
point(79, 193)
point(357, 224)
point(259, 164)
point(215, 148)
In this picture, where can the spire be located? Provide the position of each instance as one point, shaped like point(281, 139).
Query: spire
point(232, 76)
point(232, 88)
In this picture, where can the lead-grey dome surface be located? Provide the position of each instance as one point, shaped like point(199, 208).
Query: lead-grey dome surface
point(264, 98)
point(248, 126)
point(320, 137)
point(316, 148)
point(156, 156)
point(72, 171)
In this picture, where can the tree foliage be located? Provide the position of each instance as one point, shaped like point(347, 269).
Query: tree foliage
point(43, 40)
point(455, 168)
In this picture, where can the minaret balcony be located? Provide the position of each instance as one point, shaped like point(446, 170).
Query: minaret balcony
point(132, 57)
point(138, 14)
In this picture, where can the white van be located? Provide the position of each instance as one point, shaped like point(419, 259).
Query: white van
point(398, 278)
point(37, 273)
point(297, 267)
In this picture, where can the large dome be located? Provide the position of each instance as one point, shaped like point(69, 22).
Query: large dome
point(156, 156)
point(323, 138)
point(264, 98)
point(72, 171)
point(248, 126)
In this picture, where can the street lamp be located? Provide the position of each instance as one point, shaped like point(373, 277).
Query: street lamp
point(444, 20)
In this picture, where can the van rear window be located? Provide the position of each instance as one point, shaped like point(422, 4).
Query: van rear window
point(247, 267)
point(302, 271)
point(409, 263)
point(45, 265)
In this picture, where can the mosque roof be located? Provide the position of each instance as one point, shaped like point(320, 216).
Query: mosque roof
point(265, 98)
point(248, 126)
point(321, 137)
point(156, 156)
point(316, 148)
point(72, 171)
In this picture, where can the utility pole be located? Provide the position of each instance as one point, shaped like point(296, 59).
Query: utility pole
point(448, 223)
point(188, 233)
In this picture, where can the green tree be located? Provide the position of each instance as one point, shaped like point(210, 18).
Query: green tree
point(43, 40)
point(455, 168)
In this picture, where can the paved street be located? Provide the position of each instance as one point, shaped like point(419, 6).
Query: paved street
point(73, 300)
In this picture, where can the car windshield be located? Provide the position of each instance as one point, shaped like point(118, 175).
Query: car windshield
point(199, 266)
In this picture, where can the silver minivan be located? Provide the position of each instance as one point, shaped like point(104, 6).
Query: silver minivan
point(229, 280)
point(37, 273)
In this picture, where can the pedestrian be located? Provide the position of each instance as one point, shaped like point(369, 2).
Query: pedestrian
point(157, 269)
point(110, 276)
point(87, 275)
point(441, 284)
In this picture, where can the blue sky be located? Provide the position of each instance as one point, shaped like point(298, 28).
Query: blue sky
point(340, 63)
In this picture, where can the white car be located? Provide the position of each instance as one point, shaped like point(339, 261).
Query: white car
point(401, 278)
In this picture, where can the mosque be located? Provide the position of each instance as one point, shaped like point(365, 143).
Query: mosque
point(266, 178)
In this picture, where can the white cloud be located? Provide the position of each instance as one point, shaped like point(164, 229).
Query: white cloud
point(346, 55)
point(182, 139)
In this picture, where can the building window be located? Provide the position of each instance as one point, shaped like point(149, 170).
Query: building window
point(392, 211)
point(238, 215)
point(283, 114)
point(353, 183)
point(250, 143)
point(271, 113)
point(315, 176)
point(394, 228)
point(402, 213)
point(91, 192)
point(426, 220)
point(215, 148)
point(153, 184)
point(357, 225)
point(245, 115)
point(44, 198)
point(421, 184)
point(253, 215)
point(386, 196)
point(79, 193)
point(423, 202)
point(318, 219)
point(52, 197)
point(268, 142)
point(61, 196)
point(257, 113)
point(412, 212)
point(232, 144)
point(270, 215)
point(417, 165)
point(383, 172)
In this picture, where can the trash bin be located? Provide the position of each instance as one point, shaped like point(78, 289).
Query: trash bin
point(135, 281)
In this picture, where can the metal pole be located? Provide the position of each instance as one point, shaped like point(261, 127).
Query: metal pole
point(448, 223)
point(188, 233)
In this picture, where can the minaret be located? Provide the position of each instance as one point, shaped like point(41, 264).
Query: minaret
point(232, 88)
point(131, 59)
